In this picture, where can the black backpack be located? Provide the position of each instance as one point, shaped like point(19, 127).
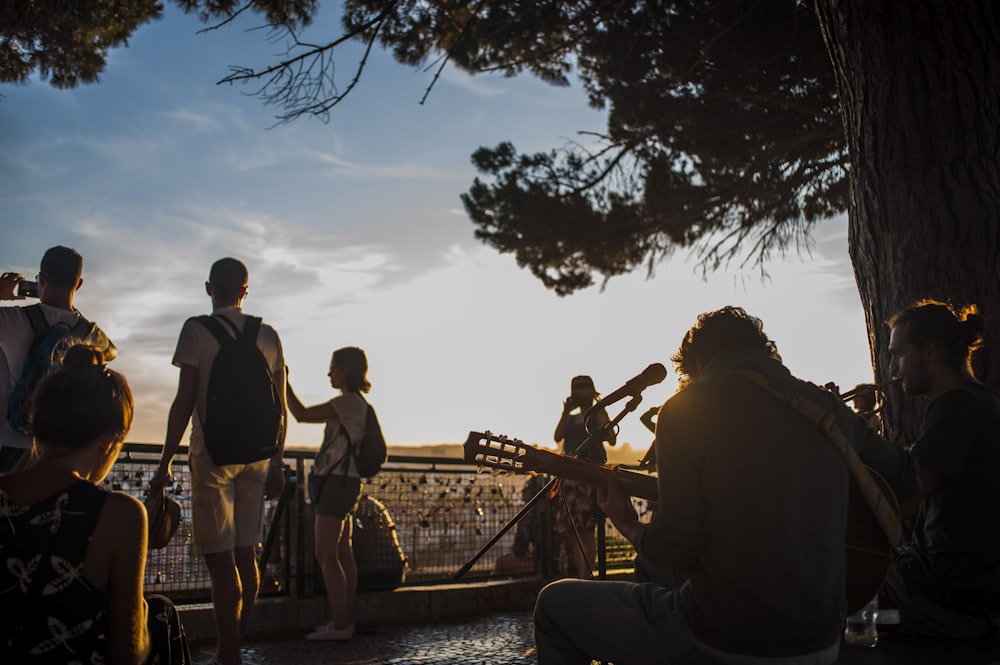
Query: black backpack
point(370, 453)
point(243, 418)
point(45, 355)
point(378, 555)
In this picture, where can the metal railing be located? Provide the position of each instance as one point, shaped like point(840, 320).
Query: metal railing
point(419, 521)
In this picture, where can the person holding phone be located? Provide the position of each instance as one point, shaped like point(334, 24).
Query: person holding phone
point(22, 331)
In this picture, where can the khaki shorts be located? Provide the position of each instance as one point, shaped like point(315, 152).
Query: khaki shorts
point(227, 504)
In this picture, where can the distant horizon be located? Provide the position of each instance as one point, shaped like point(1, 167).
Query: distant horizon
point(616, 453)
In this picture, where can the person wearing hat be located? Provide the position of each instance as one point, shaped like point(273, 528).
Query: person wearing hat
point(576, 508)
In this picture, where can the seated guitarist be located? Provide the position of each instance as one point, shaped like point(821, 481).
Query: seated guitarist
point(946, 579)
point(752, 510)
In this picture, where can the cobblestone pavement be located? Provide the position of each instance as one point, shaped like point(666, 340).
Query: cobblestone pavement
point(504, 639)
point(507, 639)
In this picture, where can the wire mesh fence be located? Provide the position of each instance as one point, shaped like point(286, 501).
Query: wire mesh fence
point(420, 521)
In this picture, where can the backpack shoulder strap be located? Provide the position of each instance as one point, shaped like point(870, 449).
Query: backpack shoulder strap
point(352, 447)
point(216, 328)
point(36, 317)
point(83, 328)
point(250, 329)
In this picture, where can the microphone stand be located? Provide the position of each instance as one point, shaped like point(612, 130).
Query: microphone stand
point(604, 432)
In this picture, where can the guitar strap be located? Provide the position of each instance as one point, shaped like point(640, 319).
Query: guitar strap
point(826, 421)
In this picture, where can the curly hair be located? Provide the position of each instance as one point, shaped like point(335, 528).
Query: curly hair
point(725, 329)
point(957, 331)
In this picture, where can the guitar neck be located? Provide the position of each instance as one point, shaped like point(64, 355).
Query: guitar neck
point(631, 483)
point(515, 456)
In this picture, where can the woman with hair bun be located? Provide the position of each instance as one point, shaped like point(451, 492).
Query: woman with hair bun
point(72, 554)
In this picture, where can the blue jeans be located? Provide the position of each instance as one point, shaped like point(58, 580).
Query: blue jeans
point(577, 621)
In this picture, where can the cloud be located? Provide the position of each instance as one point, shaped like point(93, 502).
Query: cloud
point(198, 122)
point(479, 85)
point(340, 166)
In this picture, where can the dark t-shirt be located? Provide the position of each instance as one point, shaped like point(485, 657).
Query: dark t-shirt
point(953, 551)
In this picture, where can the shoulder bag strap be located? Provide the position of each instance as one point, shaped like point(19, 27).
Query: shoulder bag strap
point(352, 448)
point(217, 329)
point(826, 421)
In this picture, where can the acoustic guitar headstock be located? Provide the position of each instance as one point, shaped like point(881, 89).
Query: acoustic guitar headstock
point(500, 452)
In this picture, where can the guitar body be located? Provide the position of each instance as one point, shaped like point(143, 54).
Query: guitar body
point(866, 548)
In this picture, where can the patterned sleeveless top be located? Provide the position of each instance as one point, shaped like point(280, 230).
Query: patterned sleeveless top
point(49, 612)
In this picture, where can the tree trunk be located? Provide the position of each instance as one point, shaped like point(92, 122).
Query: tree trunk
point(919, 85)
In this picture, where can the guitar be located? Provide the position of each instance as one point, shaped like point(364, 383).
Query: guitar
point(866, 548)
point(500, 452)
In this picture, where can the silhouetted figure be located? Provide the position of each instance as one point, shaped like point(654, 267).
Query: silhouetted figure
point(58, 279)
point(72, 554)
point(335, 484)
point(946, 579)
point(753, 509)
point(227, 500)
point(576, 510)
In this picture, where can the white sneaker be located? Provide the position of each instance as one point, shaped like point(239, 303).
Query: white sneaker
point(330, 633)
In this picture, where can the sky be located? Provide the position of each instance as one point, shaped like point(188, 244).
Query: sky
point(354, 235)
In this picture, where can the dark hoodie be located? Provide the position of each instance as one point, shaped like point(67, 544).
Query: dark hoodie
point(753, 507)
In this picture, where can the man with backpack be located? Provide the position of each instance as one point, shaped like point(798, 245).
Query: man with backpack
point(232, 380)
point(33, 340)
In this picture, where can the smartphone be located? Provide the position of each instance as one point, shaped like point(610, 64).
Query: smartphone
point(27, 289)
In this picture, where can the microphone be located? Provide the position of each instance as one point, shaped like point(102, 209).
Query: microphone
point(634, 386)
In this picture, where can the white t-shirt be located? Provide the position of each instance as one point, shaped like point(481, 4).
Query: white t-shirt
point(16, 336)
point(198, 347)
point(353, 412)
